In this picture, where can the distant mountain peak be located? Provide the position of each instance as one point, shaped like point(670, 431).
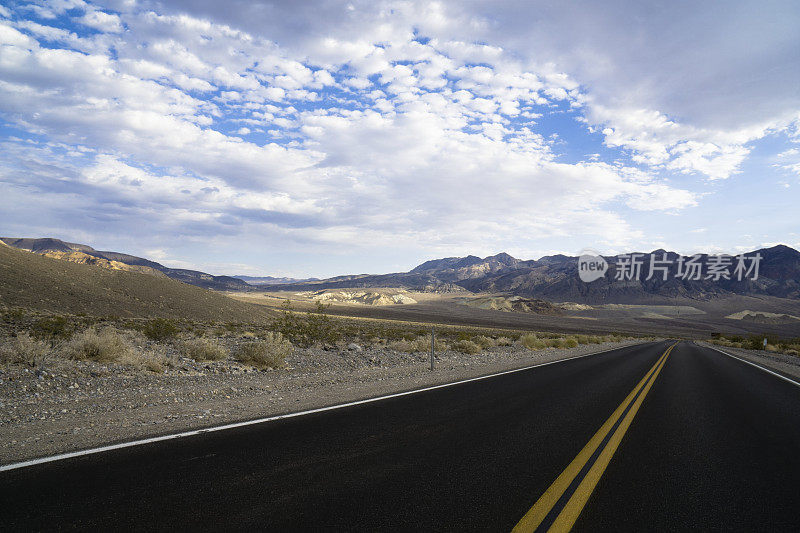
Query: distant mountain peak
point(502, 257)
point(781, 249)
point(448, 263)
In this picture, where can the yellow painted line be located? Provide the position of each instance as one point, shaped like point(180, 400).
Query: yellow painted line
point(566, 519)
point(536, 515)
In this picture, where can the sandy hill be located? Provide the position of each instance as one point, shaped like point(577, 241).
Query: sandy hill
point(360, 297)
point(763, 317)
point(34, 281)
point(74, 256)
point(513, 304)
point(83, 253)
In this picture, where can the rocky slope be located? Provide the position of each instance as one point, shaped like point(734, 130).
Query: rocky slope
point(82, 253)
point(33, 281)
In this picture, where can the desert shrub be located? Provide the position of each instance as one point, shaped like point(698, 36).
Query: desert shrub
point(570, 342)
point(532, 342)
point(400, 345)
point(557, 343)
point(24, 349)
point(528, 339)
point(151, 357)
point(13, 315)
point(754, 342)
point(727, 343)
point(153, 364)
point(484, 342)
point(53, 327)
point(421, 343)
point(102, 346)
point(268, 353)
point(376, 341)
point(463, 336)
point(203, 350)
point(160, 329)
point(588, 339)
point(417, 344)
point(307, 330)
point(504, 341)
point(466, 346)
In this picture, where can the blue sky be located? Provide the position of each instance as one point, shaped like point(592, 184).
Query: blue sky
point(345, 137)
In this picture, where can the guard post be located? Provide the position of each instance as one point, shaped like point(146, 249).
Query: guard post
point(433, 344)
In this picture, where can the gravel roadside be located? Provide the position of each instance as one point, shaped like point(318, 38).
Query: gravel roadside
point(788, 365)
point(73, 405)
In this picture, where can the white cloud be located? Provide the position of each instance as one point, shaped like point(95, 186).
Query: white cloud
point(789, 161)
point(389, 122)
point(102, 21)
point(11, 37)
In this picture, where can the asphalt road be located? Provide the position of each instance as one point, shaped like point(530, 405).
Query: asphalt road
point(628, 440)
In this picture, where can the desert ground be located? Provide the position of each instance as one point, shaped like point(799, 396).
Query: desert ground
point(686, 318)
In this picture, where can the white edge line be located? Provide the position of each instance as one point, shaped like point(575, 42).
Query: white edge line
point(101, 449)
point(767, 370)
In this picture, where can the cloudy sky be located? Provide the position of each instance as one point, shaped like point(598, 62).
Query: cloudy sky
point(323, 138)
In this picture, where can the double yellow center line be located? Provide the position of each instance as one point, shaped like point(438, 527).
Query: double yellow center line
point(562, 503)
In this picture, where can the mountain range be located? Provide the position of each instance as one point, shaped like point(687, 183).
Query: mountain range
point(270, 280)
point(555, 278)
point(552, 278)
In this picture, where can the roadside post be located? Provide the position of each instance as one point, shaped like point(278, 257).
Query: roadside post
point(433, 341)
point(765, 343)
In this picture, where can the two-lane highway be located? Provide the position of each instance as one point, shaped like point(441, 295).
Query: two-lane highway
point(650, 437)
point(716, 447)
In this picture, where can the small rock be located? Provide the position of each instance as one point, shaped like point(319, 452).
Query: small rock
point(353, 347)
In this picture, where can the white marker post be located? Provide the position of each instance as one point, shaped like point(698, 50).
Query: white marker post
point(433, 340)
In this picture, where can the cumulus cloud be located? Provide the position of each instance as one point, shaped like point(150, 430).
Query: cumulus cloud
point(99, 20)
point(392, 122)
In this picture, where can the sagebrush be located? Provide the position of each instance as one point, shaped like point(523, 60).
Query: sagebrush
point(271, 352)
point(24, 349)
point(103, 346)
point(203, 350)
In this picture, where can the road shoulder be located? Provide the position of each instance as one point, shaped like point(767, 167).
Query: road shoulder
point(38, 420)
point(786, 365)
